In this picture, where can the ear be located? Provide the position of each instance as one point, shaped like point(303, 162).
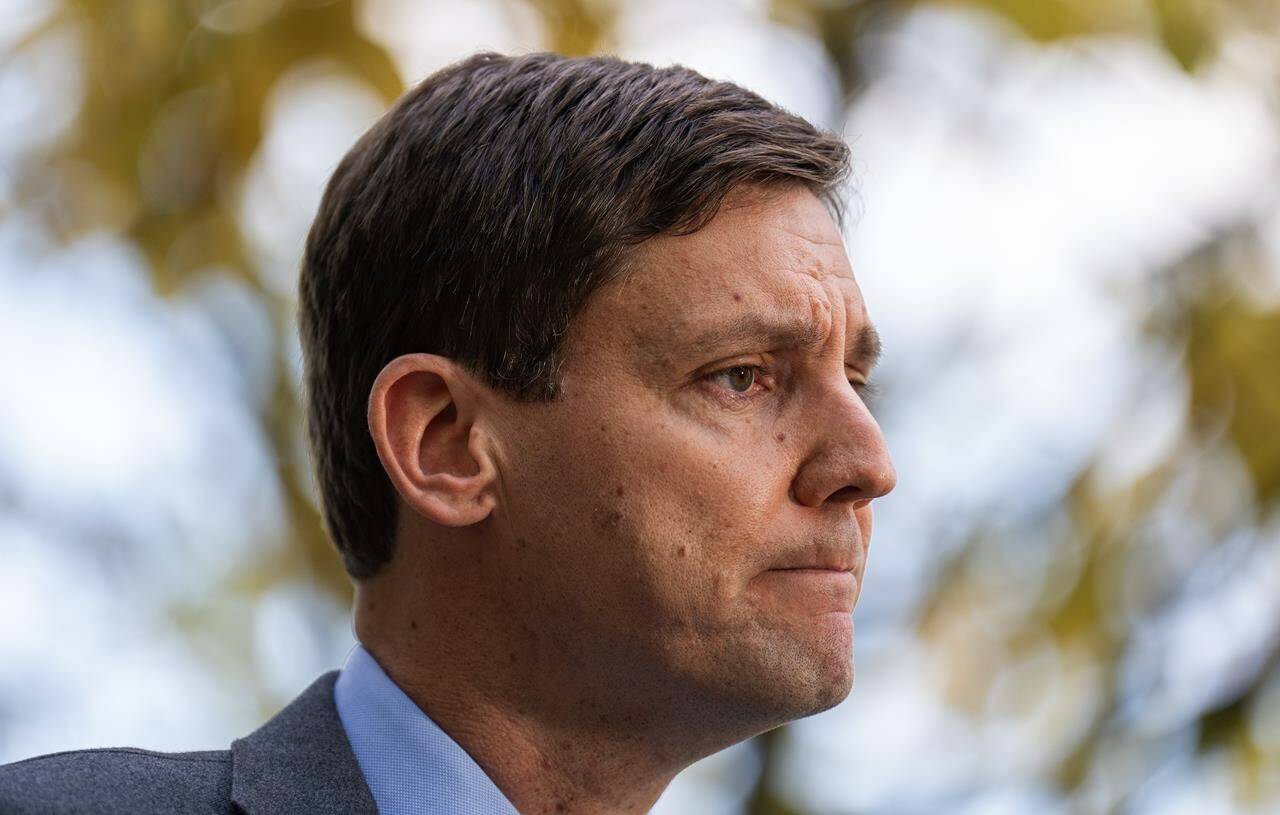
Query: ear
point(423, 421)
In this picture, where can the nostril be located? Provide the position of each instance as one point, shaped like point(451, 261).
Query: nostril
point(845, 495)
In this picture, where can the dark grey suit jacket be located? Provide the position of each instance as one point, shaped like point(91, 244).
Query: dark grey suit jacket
point(299, 762)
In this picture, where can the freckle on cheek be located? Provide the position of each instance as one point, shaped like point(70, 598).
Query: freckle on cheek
point(680, 551)
point(620, 490)
point(609, 520)
point(782, 437)
point(737, 297)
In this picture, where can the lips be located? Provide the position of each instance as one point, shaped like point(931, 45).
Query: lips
point(844, 556)
point(821, 576)
point(814, 569)
point(809, 591)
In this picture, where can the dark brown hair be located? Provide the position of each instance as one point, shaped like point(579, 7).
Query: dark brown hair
point(477, 215)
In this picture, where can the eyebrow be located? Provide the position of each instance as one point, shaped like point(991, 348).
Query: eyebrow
point(756, 330)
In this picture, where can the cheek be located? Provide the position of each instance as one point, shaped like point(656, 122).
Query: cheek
point(708, 505)
point(865, 517)
point(651, 510)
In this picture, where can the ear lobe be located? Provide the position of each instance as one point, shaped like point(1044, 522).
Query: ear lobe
point(423, 426)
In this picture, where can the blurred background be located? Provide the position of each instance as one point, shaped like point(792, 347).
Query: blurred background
point(1067, 226)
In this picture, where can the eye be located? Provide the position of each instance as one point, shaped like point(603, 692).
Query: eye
point(740, 378)
point(869, 391)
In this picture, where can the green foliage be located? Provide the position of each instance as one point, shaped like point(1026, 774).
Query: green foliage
point(1233, 359)
point(173, 111)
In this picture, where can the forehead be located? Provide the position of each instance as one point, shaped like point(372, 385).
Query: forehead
point(767, 252)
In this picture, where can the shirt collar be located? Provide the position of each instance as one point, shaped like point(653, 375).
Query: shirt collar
point(412, 767)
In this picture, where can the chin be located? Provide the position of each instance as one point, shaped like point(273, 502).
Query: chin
point(825, 665)
point(833, 681)
point(800, 674)
point(835, 691)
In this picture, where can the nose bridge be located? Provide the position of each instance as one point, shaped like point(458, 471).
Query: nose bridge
point(849, 460)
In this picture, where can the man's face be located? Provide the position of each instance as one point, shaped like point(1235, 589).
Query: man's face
point(691, 517)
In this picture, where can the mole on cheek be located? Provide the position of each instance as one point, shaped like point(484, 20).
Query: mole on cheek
point(608, 520)
point(680, 551)
point(737, 297)
point(782, 437)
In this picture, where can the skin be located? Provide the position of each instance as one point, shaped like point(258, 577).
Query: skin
point(591, 594)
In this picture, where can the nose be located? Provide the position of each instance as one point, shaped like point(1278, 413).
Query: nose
point(850, 461)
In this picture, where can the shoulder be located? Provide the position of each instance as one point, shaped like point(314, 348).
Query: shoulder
point(117, 780)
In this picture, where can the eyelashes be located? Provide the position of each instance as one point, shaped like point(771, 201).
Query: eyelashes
point(731, 373)
point(869, 391)
point(752, 375)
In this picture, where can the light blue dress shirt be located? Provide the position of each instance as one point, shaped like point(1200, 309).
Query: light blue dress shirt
point(412, 767)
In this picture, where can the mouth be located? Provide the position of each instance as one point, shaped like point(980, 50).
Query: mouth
point(835, 553)
point(816, 569)
point(810, 590)
point(841, 560)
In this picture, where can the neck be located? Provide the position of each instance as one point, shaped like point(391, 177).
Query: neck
point(520, 709)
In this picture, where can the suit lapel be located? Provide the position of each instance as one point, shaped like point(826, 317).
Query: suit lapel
point(300, 761)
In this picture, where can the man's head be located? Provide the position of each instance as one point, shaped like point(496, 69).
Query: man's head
point(584, 364)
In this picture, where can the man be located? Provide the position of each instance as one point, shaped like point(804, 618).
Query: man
point(585, 363)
